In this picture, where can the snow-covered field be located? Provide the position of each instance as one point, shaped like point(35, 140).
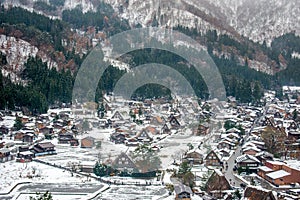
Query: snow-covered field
point(13, 172)
point(35, 177)
point(134, 193)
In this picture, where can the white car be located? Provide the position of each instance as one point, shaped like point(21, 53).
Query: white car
point(243, 174)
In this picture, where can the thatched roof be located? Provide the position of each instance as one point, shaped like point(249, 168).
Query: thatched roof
point(255, 193)
point(217, 182)
point(182, 188)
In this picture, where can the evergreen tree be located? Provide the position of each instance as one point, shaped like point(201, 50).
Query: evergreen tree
point(295, 115)
point(146, 158)
point(257, 92)
point(18, 124)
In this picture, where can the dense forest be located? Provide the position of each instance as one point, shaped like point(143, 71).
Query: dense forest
point(51, 86)
point(103, 19)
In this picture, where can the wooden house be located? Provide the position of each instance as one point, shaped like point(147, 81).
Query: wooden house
point(202, 129)
point(193, 157)
point(224, 152)
point(269, 121)
point(5, 155)
point(217, 184)
point(40, 124)
point(124, 163)
point(280, 173)
point(174, 122)
point(213, 159)
point(132, 142)
point(44, 148)
point(25, 119)
point(19, 136)
point(247, 162)
point(4, 130)
point(25, 156)
point(293, 126)
point(65, 138)
point(224, 144)
point(117, 116)
point(157, 121)
point(28, 138)
point(74, 142)
point(143, 136)
point(262, 171)
point(166, 129)
point(277, 114)
point(251, 150)
point(88, 142)
point(278, 177)
point(263, 156)
point(258, 193)
point(23, 148)
point(118, 137)
point(182, 192)
point(293, 135)
point(152, 130)
point(47, 130)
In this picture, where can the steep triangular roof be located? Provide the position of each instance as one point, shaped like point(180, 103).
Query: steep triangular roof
point(258, 193)
point(123, 161)
point(212, 152)
point(217, 182)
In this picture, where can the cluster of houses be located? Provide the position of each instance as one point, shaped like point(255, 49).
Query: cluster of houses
point(138, 123)
point(34, 138)
point(244, 138)
point(148, 122)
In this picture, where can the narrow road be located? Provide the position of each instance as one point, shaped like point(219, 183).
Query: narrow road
point(229, 173)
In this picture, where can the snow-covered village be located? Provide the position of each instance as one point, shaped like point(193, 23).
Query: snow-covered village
point(154, 149)
point(149, 100)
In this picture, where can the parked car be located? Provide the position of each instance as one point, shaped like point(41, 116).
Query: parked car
point(234, 168)
point(243, 173)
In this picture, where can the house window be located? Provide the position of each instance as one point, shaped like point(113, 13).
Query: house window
point(251, 165)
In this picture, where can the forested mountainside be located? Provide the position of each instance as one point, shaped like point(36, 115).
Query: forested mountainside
point(260, 20)
point(41, 53)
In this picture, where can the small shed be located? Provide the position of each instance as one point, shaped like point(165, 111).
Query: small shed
point(182, 192)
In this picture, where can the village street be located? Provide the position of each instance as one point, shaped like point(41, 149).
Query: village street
point(230, 173)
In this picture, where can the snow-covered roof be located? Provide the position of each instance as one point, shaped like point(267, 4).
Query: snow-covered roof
point(219, 172)
point(278, 174)
point(253, 148)
point(264, 153)
point(182, 188)
point(196, 150)
point(295, 164)
point(227, 142)
point(245, 157)
point(25, 153)
point(275, 162)
point(290, 88)
point(265, 169)
point(233, 130)
point(4, 150)
point(230, 135)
